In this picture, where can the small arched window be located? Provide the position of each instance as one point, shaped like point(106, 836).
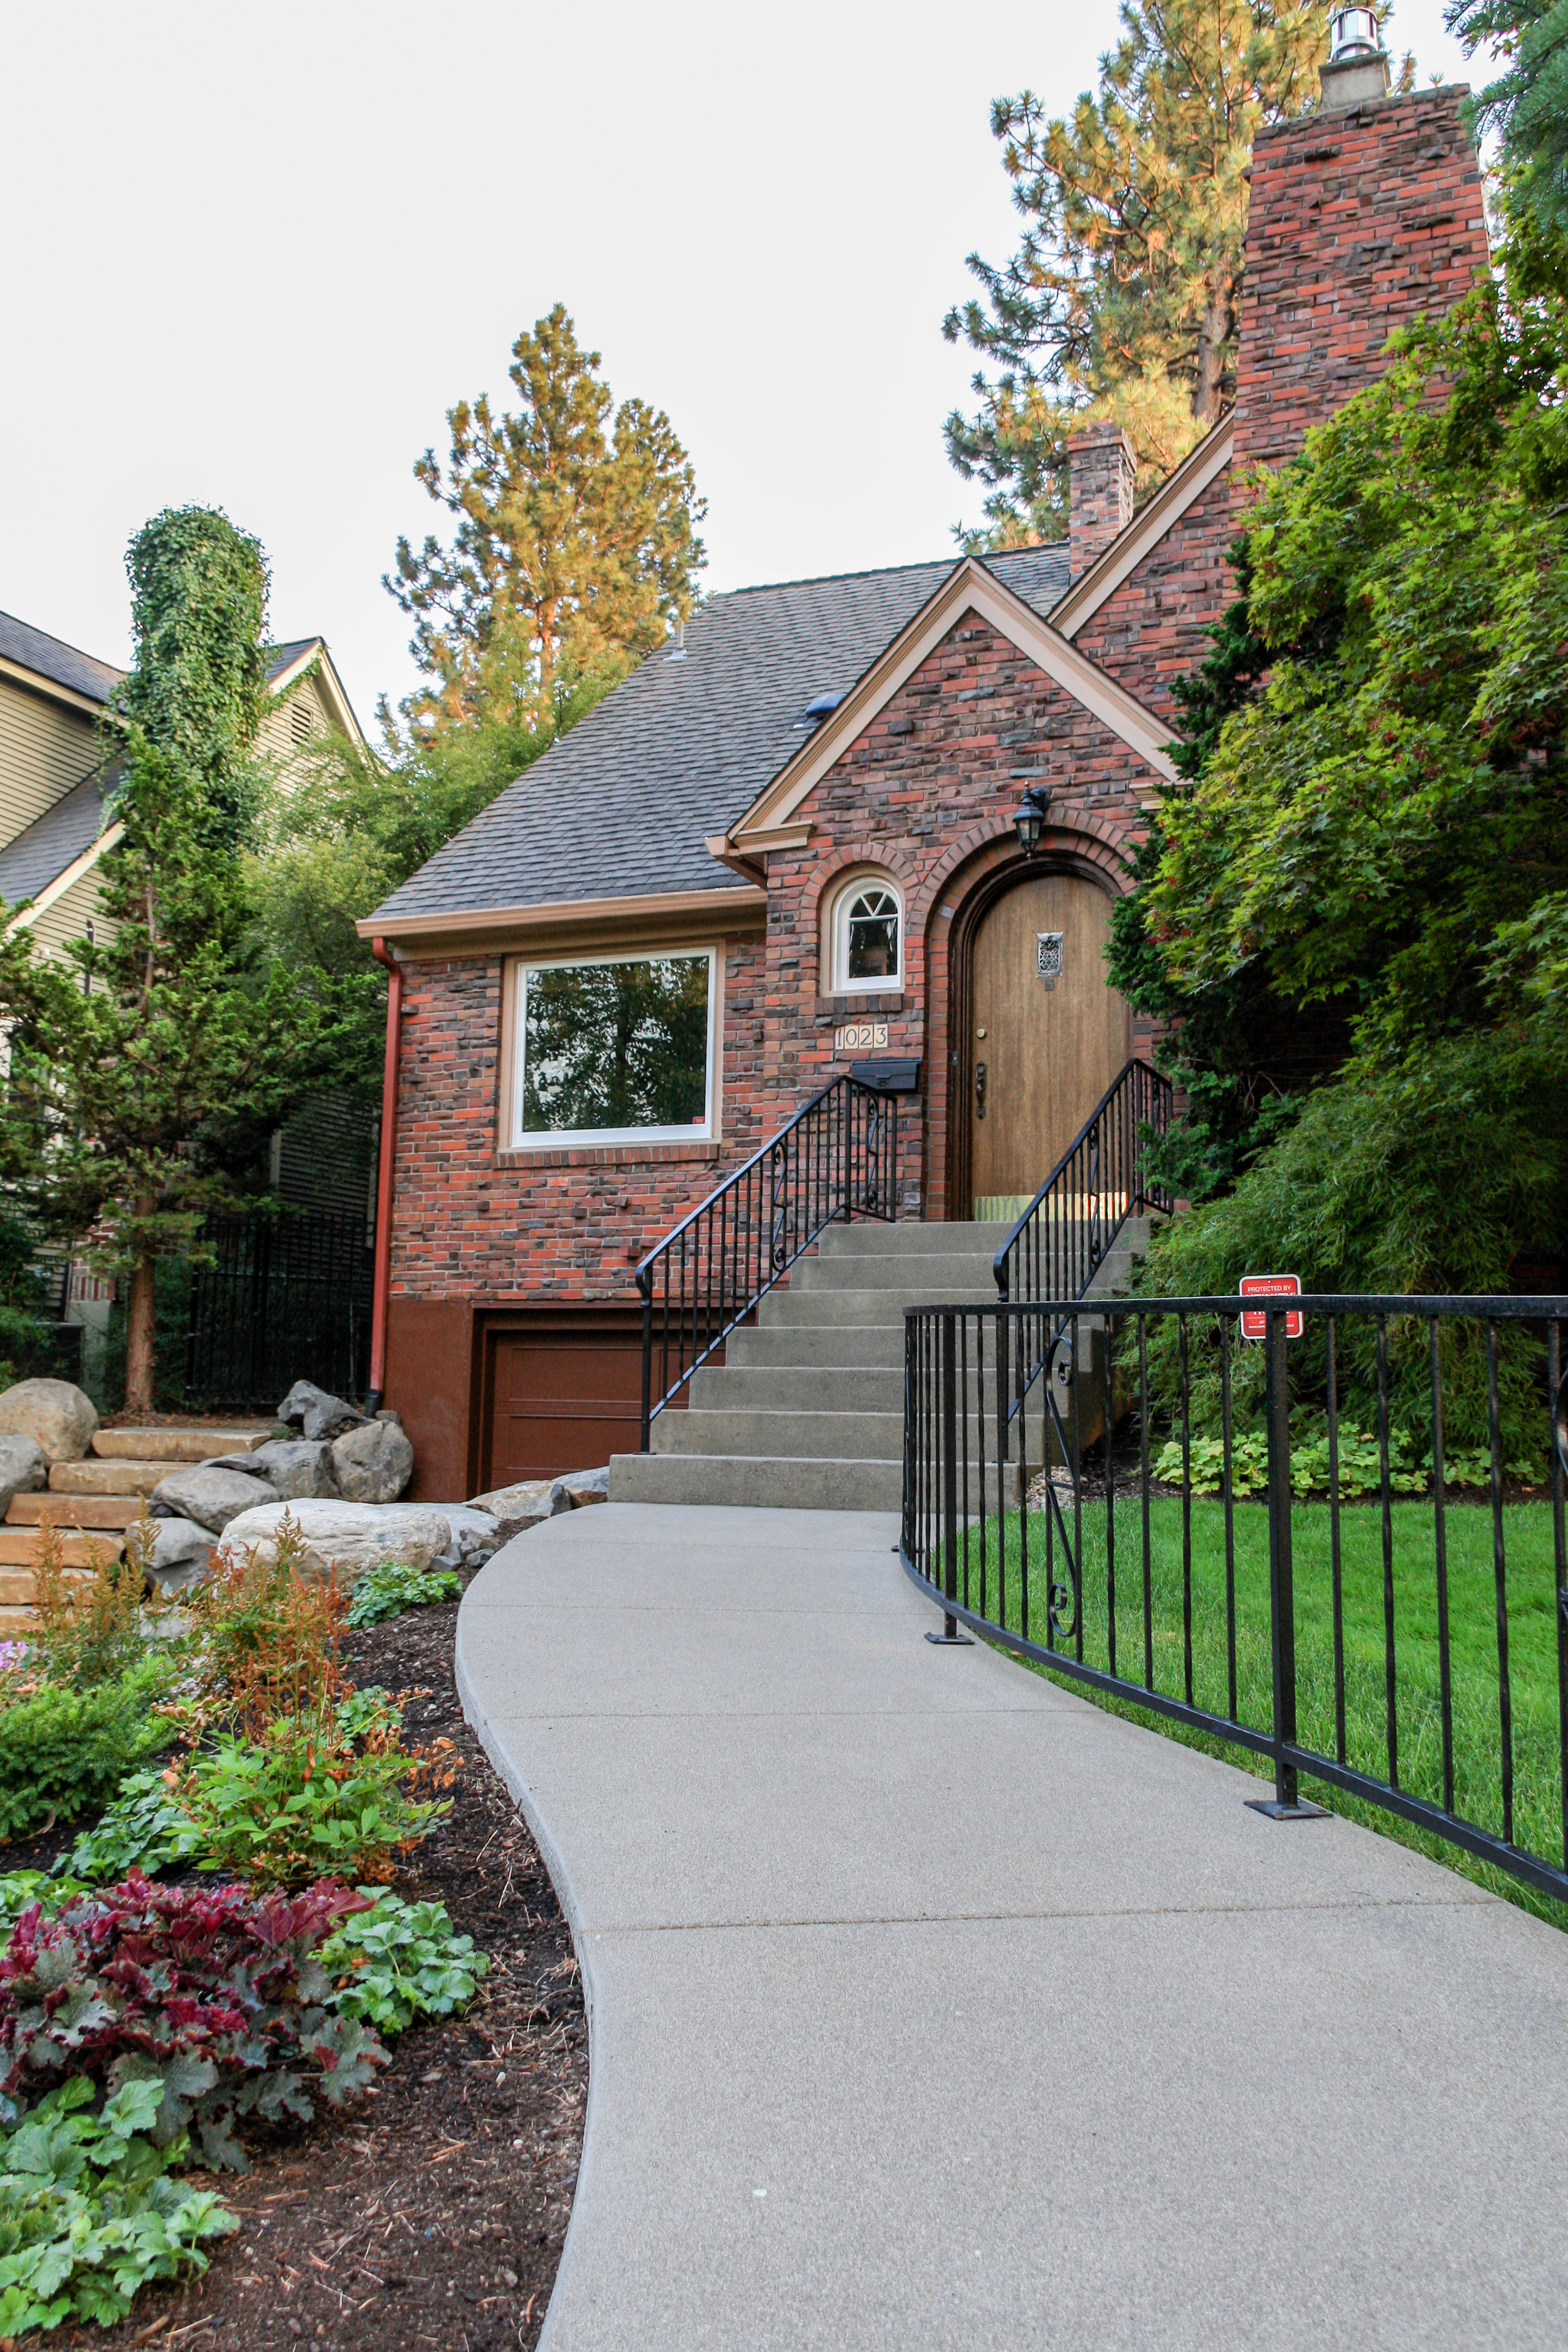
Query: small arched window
point(868, 939)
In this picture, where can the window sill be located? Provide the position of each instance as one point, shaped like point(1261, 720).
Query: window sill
point(879, 1007)
point(605, 1155)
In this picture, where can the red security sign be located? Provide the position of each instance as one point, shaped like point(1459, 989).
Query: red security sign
point(1254, 1323)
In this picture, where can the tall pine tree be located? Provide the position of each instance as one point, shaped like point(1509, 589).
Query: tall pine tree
point(575, 541)
point(1122, 301)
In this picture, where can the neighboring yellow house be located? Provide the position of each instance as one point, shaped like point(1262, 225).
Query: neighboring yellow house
point(52, 828)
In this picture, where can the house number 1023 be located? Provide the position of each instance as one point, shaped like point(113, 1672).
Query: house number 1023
point(857, 1036)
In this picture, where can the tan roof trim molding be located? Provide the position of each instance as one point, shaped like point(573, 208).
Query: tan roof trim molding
point(316, 653)
point(67, 878)
point(37, 683)
point(1175, 494)
point(969, 587)
point(747, 903)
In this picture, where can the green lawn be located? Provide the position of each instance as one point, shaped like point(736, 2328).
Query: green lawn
point(1473, 1641)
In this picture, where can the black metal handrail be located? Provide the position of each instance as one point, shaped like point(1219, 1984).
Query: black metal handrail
point(1058, 1244)
point(1361, 1622)
point(837, 1157)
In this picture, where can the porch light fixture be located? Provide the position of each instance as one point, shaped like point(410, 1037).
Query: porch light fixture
point(1029, 817)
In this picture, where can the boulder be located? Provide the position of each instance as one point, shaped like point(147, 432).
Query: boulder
point(531, 1500)
point(587, 1487)
point(474, 1535)
point(182, 1555)
point(57, 1416)
point(209, 1496)
point(292, 1466)
point(373, 1465)
point(351, 1537)
point(23, 1469)
point(310, 1410)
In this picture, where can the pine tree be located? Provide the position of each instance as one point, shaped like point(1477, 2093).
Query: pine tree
point(1529, 101)
point(1123, 299)
point(146, 1067)
point(574, 546)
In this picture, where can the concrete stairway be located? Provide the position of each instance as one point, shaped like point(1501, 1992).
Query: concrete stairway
point(91, 1503)
point(808, 1409)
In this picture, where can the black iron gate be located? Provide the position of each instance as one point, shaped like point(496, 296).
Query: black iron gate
point(286, 1298)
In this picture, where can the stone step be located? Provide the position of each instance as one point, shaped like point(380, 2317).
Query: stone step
point(911, 1240)
point(19, 1548)
point(793, 1307)
point(18, 1589)
point(872, 1345)
point(168, 1446)
point(15, 1620)
point(862, 1437)
point(96, 1476)
point(781, 1483)
point(74, 1510)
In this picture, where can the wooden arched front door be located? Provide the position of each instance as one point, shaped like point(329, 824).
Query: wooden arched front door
point(1046, 1034)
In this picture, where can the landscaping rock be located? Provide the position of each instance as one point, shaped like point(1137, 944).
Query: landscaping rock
point(587, 1487)
point(58, 1417)
point(23, 1469)
point(210, 1495)
point(292, 1466)
point(311, 1410)
point(475, 1536)
point(388, 1413)
point(531, 1500)
point(351, 1535)
point(373, 1465)
point(182, 1555)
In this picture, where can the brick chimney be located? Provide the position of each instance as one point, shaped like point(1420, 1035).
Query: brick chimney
point(1364, 215)
point(1101, 471)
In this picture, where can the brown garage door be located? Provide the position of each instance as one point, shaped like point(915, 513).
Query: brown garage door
point(563, 1391)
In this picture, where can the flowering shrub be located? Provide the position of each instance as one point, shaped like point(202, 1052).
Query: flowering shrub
point(88, 1626)
point(401, 1961)
point(214, 1995)
point(266, 1640)
point(88, 2212)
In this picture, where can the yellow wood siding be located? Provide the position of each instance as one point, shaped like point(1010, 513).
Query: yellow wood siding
point(45, 749)
point(69, 918)
point(289, 725)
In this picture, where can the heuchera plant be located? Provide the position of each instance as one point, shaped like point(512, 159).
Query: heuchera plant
point(217, 1994)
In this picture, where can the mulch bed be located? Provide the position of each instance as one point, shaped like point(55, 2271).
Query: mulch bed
point(435, 2213)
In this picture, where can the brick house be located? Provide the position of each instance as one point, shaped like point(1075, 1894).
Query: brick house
point(794, 833)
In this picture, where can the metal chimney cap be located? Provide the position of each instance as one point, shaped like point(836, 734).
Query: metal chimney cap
point(1353, 33)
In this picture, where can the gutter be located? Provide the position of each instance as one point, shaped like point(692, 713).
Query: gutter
point(378, 948)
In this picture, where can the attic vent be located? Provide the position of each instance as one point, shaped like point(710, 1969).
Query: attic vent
point(818, 708)
point(299, 725)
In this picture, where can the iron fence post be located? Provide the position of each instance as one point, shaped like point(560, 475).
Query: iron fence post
point(949, 1376)
point(1281, 1584)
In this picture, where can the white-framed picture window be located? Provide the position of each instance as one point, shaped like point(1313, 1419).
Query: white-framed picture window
point(615, 1049)
point(868, 937)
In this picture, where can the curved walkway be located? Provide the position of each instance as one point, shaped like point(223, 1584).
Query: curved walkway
point(931, 2006)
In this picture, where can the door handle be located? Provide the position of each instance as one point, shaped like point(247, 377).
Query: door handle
point(979, 1090)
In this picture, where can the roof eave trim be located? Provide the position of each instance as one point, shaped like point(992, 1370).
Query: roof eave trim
point(1179, 490)
point(37, 682)
point(67, 878)
point(970, 586)
point(747, 899)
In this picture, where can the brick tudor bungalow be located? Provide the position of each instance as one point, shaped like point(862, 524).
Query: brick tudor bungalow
point(800, 822)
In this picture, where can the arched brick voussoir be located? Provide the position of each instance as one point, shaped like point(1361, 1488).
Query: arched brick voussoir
point(1088, 837)
point(870, 848)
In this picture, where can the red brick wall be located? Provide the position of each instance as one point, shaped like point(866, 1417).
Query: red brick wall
point(1360, 220)
point(1155, 627)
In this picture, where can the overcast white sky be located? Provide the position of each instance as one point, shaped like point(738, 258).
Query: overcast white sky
point(254, 257)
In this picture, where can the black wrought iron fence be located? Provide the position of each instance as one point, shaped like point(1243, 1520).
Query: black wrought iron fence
point(287, 1298)
point(1342, 1550)
point(837, 1157)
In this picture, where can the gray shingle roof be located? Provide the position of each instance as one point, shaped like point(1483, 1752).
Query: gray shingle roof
point(51, 843)
point(620, 807)
point(281, 657)
point(53, 659)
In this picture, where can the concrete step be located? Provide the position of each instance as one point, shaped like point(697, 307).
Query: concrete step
point(74, 1510)
point(911, 1241)
point(964, 1273)
point(96, 1476)
point(19, 1548)
point(872, 1346)
point(867, 1436)
point(169, 1445)
point(791, 1308)
point(763, 1482)
point(800, 1388)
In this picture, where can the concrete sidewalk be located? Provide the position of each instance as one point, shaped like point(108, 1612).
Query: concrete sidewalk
point(931, 2006)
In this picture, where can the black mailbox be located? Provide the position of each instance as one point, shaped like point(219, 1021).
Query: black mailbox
point(894, 1076)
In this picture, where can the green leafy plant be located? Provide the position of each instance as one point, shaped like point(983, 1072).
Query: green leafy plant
point(145, 1828)
point(20, 1889)
point(63, 1752)
point(401, 1960)
point(389, 1588)
point(1409, 1472)
point(214, 1996)
point(310, 1796)
point(88, 2211)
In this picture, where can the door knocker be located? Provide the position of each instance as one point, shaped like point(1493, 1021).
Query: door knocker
point(979, 1090)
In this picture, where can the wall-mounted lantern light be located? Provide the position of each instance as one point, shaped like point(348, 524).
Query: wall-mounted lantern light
point(1029, 817)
